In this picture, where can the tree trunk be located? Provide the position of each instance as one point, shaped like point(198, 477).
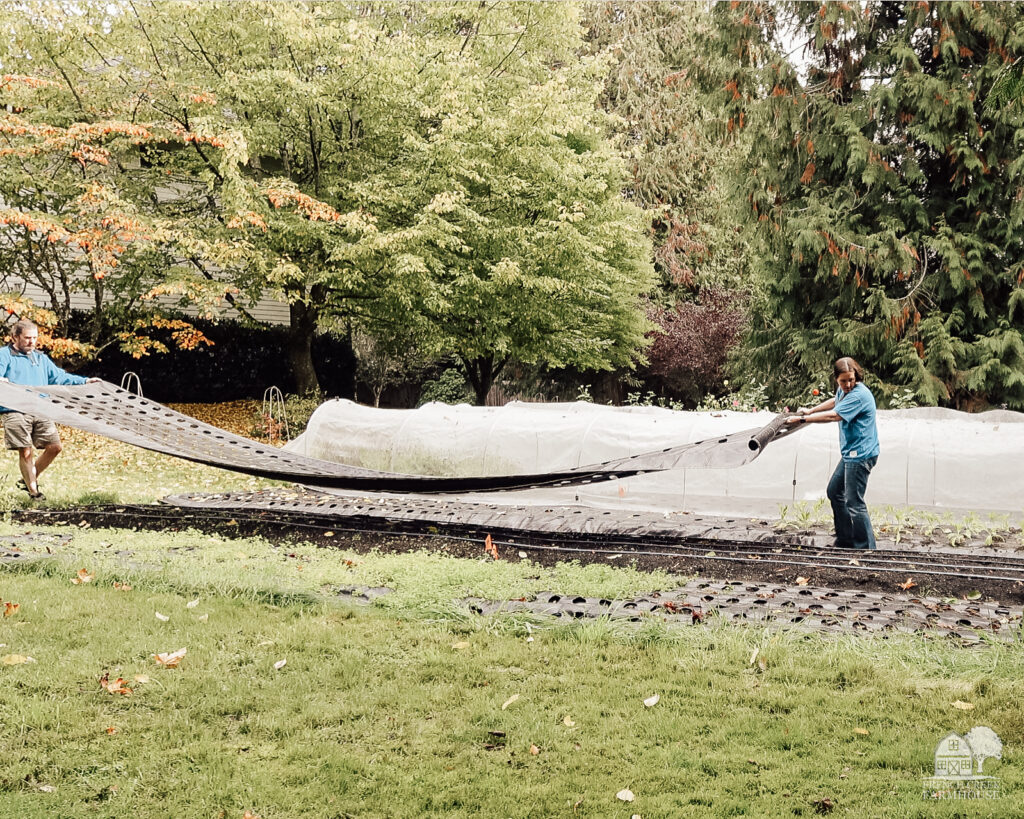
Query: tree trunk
point(482, 372)
point(302, 321)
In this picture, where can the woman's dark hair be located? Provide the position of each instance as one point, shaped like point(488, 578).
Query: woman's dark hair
point(848, 365)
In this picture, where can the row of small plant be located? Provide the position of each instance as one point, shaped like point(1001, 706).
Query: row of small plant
point(898, 522)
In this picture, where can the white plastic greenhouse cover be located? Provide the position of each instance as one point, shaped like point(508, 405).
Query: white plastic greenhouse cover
point(930, 457)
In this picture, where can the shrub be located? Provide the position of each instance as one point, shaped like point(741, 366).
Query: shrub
point(688, 352)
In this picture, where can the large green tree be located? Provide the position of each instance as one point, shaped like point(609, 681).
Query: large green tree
point(886, 196)
point(437, 173)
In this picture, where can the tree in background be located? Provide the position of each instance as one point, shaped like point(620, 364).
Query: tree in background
point(885, 195)
point(437, 171)
point(65, 226)
point(683, 175)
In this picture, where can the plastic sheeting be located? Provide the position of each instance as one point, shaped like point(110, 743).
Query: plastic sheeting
point(930, 457)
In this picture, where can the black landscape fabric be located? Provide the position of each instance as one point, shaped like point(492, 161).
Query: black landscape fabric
point(108, 410)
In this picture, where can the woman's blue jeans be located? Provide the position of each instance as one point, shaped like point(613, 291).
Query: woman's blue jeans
point(846, 493)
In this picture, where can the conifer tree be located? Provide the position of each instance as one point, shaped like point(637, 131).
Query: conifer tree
point(887, 196)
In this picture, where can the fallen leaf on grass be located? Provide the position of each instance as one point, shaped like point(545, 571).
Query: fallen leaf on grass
point(625, 795)
point(908, 585)
point(651, 701)
point(280, 664)
point(47, 788)
point(802, 581)
point(111, 729)
point(509, 701)
point(328, 534)
point(114, 687)
point(862, 731)
point(119, 586)
point(567, 721)
point(460, 645)
point(202, 618)
point(191, 604)
point(171, 659)
point(16, 659)
point(163, 618)
point(823, 806)
point(83, 576)
point(963, 706)
point(141, 679)
point(534, 750)
point(11, 608)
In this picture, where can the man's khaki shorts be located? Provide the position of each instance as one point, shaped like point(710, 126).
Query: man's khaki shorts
point(23, 431)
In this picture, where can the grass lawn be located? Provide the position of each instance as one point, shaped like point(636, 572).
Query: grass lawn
point(412, 707)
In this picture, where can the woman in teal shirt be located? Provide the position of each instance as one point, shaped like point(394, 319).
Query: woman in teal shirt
point(853, 406)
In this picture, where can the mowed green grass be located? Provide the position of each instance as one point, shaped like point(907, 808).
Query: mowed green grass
point(413, 707)
point(375, 714)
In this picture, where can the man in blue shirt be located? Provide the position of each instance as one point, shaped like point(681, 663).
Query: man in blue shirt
point(22, 363)
point(853, 406)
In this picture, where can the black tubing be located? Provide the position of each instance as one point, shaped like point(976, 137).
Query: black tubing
point(760, 439)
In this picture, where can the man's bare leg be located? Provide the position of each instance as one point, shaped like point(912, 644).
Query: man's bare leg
point(27, 465)
point(50, 451)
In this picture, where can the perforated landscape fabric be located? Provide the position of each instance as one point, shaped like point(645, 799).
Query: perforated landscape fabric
point(108, 410)
point(931, 457)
